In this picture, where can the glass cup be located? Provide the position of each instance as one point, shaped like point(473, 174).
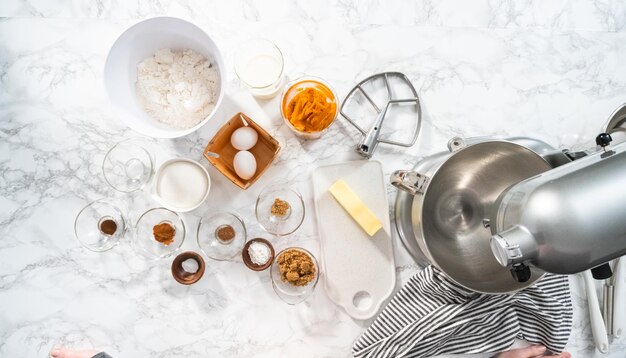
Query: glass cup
point(259, 65)
point(100, 225)
point(128, 166)
point(286, 291)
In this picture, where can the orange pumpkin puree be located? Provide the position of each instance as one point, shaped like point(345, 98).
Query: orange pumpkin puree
point(312, 108)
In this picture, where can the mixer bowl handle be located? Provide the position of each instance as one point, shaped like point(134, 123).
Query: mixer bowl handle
point(410, 181)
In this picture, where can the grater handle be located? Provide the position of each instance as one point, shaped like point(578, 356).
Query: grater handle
point(367, 146)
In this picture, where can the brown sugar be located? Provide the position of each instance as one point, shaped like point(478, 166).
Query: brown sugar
point(280, 207)
point(312, 109)
point(164, 233)
point(296, 267)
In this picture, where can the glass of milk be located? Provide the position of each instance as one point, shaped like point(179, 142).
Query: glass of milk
point(259, 65)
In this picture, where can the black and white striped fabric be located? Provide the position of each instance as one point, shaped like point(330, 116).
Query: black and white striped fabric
point(432, 315)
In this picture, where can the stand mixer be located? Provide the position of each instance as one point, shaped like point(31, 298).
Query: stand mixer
point(495, 215)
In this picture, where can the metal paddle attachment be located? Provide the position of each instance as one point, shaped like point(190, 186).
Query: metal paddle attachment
point(371, 137)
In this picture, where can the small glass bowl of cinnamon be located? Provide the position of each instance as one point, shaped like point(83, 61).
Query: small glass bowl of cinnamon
point(159, 233)
point(309, 106)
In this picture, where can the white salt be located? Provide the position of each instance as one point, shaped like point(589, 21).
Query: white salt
point(190, 265)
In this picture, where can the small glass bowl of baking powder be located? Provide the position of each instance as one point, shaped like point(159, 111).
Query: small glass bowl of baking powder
point(258, 254)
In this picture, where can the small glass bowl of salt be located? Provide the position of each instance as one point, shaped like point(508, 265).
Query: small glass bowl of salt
point(258, 254)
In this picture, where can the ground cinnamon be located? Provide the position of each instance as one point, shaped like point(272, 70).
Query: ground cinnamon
point(225, 233)
point(164, 233)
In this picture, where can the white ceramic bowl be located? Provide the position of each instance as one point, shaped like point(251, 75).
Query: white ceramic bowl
point(141, 41)
point(173, 185)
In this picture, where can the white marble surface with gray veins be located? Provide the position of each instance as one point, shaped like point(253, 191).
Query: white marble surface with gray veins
point(552, 70)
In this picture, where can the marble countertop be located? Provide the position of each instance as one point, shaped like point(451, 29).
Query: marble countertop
point(549, 70)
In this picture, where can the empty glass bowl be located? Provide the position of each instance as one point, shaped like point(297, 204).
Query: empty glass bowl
point(279, 209)
point(128, 166)
point(100, 225)
point(151, 240)
point(221, 235)
point(286, 291)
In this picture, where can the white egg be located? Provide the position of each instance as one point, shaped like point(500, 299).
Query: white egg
point(244, 138)
point(245, 164)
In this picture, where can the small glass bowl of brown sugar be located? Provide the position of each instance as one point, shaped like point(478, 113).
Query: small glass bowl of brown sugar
point(280, 209)
point(295, 273)
point(100, 225)
point(221, 235)
point(159, 233)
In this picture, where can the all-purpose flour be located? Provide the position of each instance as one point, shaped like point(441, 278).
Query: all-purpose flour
point(178, 88)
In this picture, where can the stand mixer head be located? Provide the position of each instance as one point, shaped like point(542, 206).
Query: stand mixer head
point(566, 220)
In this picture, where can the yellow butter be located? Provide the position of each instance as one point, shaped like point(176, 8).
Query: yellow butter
point(355, 207)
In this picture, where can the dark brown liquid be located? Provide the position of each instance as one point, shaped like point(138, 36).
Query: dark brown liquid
point(108, 227)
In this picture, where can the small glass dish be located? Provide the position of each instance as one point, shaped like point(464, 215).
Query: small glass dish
point(308, 128)
point(145, 239)
point(277, 222)
point(100, 225)
point(286, 291)
point(221, 235)
point(128, 166)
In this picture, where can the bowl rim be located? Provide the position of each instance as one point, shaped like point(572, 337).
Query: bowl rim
point(173, 132)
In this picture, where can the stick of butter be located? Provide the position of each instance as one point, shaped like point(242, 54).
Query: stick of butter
point(355, 207)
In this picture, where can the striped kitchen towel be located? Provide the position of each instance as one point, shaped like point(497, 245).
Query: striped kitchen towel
point(433, 315)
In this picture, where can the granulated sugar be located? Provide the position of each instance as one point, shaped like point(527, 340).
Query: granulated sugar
point(178, 88)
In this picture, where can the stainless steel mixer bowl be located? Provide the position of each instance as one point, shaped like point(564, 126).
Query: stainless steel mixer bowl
point(448, 218)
